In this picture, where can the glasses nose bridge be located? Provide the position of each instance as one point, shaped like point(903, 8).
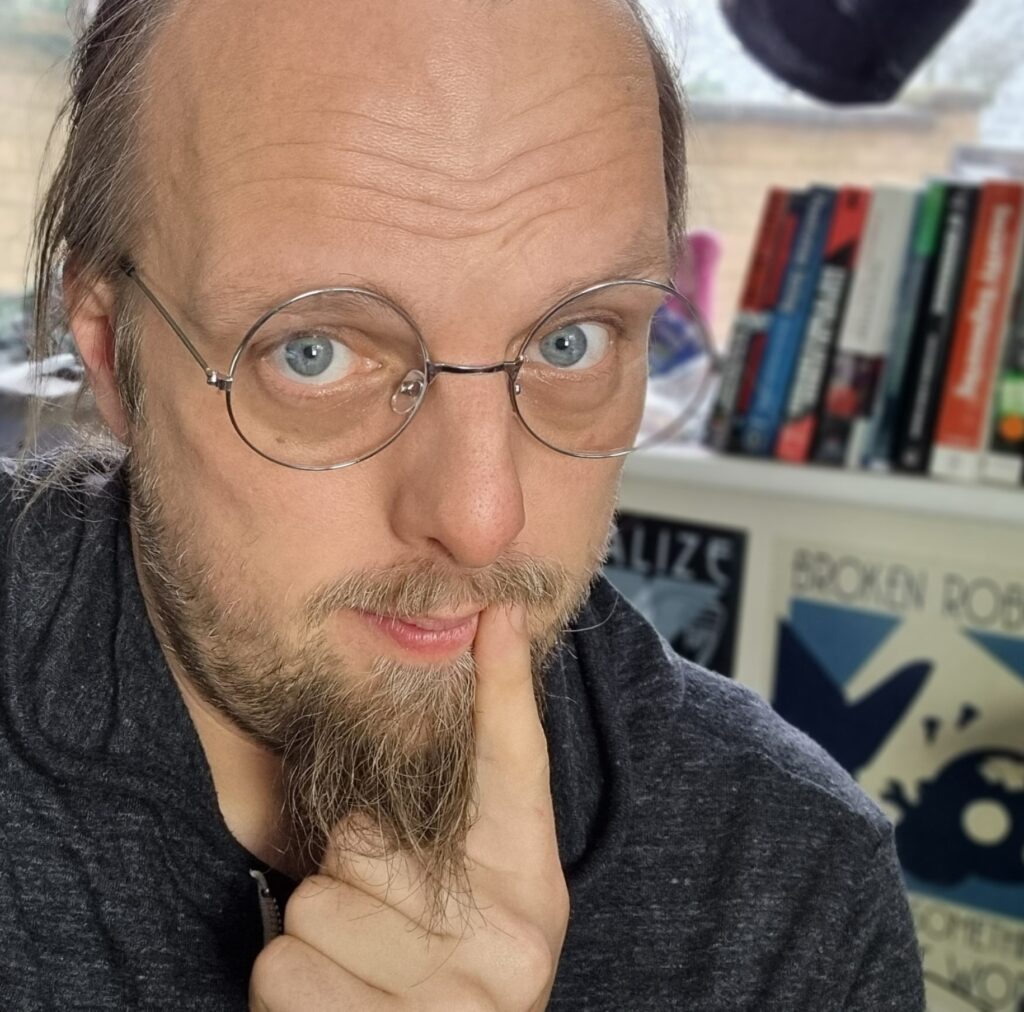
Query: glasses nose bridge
point(434, 369)
point(412, 391)
point(509, 367)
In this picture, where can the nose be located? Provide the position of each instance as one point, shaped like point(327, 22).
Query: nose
point(458, 483)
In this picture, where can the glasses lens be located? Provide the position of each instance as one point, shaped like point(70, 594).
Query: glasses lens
point(614, 369)
point(327, 379)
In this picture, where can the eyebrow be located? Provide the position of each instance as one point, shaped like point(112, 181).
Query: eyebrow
point(633, 265)
point(238, 305)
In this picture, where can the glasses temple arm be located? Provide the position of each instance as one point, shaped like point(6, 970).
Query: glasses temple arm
point(130, 271)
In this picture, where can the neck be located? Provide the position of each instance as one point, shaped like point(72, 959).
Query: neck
point(247, 776)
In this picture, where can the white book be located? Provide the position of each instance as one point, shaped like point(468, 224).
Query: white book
point(871, 306)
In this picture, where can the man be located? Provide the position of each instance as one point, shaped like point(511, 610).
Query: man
point(338, 650)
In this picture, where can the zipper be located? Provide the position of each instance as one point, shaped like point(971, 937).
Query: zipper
point(270, 912)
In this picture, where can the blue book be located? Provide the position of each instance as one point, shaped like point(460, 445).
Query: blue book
point(786, 336)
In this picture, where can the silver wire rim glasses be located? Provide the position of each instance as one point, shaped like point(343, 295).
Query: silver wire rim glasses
point(678, 355)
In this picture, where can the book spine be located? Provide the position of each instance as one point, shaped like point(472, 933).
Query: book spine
point(1003, 462)
point(801, 418)
point(915, 290)
point(755, 300)
point(789, 324)
point(758, 325)
point(923, 383)
point(977, 338)
point(867, 324)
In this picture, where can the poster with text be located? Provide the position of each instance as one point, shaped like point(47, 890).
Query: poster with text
point(685, 578)
point(910, 672)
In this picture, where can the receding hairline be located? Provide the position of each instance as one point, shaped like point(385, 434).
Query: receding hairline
point(96, 200)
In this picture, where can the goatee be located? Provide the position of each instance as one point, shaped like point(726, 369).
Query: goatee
point(379, 761)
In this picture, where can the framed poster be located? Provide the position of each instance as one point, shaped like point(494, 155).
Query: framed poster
point(910, 671)
point(685, 578)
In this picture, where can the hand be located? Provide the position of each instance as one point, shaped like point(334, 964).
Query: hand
point(357, 936)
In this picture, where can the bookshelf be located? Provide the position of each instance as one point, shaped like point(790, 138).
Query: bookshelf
point(900, 520)
point(685, 468)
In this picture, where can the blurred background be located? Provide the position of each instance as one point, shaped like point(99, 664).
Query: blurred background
point(959, 112)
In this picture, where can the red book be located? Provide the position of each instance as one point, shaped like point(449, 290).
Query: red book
point(961, 431)
point(752, 325)
point(796, 437)
point(764, 273)
point(757, 298)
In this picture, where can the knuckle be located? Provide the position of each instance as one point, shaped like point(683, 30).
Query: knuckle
point(467, 994)
point(526, 964)
point(276, 962)
point(303, 908)
point(314, 886)
point(536, 961)
point(469, 999)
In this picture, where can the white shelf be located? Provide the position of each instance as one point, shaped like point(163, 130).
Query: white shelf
point(689, 466)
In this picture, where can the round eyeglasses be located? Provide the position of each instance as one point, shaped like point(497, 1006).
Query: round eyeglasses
point(331, 377)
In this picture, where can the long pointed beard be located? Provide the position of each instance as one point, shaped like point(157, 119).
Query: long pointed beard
point(394, 762)
point(390, 751)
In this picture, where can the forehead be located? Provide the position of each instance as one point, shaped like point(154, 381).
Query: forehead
point(321, 140)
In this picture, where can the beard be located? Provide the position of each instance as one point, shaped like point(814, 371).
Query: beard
point(377, 762)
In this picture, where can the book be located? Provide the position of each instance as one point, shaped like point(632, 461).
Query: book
point(796, 437)
point(757, 297)
point(789, 322)
point(867, 325)
point(1003, 461)
point(923, 380)
point(915, 288)
point(962, 425)
point(758, 336)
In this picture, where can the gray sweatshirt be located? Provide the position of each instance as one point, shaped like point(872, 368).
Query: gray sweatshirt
point(717, 859)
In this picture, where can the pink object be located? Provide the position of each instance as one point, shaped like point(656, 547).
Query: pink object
point(698, 261)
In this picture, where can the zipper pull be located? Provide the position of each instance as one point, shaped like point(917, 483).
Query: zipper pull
point(270, 912)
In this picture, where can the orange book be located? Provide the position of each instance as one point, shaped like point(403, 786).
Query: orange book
point(961, 431)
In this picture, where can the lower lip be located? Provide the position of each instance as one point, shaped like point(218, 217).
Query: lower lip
point(425, 642)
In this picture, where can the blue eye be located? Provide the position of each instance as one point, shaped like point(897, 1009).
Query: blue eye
point(309, 356)
point(312, 359)
point(575, 346)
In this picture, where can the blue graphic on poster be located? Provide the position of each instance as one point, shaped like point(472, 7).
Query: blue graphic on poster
point(911, 673)
point(685, 578)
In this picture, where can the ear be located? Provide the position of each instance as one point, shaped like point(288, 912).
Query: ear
point(91, 307)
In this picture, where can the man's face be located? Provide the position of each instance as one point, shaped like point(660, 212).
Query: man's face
point(473, 159)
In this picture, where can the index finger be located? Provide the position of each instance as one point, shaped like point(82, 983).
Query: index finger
point(516, 818)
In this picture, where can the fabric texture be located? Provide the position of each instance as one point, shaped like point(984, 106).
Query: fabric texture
point(717, 859)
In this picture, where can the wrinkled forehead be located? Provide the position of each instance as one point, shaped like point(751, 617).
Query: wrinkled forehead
point(414, 119)
point(447, 71)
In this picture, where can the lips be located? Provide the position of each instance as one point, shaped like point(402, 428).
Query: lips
point(438, 623)
point(426, 635)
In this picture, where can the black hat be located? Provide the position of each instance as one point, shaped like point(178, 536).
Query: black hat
point(842, 51)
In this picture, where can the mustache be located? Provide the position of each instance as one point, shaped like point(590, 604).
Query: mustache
point(406, 590)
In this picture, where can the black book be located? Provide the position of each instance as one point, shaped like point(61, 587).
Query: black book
point(929, 349)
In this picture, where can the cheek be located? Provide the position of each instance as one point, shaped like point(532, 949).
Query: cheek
point(268, 532)
point(292, 532)
point(569, 507)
